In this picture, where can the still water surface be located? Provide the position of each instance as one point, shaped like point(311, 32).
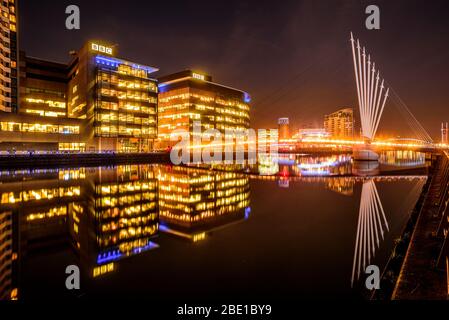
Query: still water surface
point(165, 232)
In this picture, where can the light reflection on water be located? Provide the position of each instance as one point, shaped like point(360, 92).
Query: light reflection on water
point(195, 231)
point(338, 165)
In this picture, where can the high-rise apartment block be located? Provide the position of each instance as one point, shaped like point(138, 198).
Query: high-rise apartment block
point(340, 124)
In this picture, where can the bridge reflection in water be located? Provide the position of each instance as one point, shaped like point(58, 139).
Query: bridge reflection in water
point(370, 227)
point(107, 215)
point(372, 224)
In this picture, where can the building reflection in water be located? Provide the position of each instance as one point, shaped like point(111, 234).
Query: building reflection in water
point(33, 210)
point(342, 185)
point(365, 168)
point(108, 214)
point(8, 257)
point(267, 164)
point(194, 202)
point(323, 166)
point(403, 158)
point(117, 218)
point(299, 165)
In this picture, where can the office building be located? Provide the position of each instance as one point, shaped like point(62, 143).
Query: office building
point(117, 99)
point(95, 103)
point(187, 97)
point(40, 122)
point(32, 133)
point(340, 124)
point(43, 87)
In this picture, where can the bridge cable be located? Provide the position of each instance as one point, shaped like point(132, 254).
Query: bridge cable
point(414, 124)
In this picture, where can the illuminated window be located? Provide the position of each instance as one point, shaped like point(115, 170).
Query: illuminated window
point(75, 146)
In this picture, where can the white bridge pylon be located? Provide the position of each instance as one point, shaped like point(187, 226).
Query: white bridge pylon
point(370, 90)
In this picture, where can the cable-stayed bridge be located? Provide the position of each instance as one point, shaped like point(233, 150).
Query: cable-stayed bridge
point(370, 90)
point(372, 94)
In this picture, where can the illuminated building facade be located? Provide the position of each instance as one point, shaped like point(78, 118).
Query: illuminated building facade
point(20, 132)
point(41, 122)
point(43, 87)
point(9, 56)
point(186, 97)
point(193, 202)
point(267, 136)
point(101, 103)
point(284, 128)
point(313, 133)
point(340, 124)
point(116, 98)
point(95, 103)
point(32, 97)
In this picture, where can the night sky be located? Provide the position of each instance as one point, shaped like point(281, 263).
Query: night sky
point(293, 57)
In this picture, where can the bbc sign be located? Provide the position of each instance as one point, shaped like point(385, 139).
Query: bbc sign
point(99, 48)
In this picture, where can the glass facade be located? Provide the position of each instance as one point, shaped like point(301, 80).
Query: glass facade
point(116, 98)
point(188, 97)
point(39, 128)
point(126, 103)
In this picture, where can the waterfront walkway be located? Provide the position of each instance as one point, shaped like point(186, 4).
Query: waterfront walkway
point(421, 276)
point(80, 159)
